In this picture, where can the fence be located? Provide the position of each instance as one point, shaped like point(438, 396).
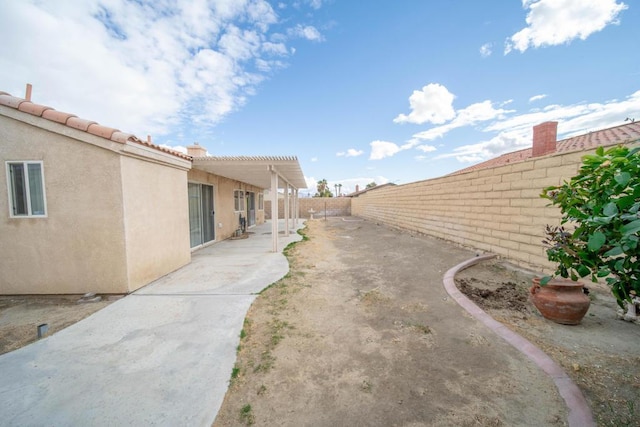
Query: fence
point(496, 210)
point(329, 206)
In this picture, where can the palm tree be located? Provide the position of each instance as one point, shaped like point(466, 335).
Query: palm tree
point(323, 189)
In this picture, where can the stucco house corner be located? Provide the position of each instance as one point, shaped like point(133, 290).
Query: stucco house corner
point(88, 208)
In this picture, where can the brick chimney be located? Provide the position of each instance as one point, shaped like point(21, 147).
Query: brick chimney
point(357, 188)
point(196, 150)
point(544, 138)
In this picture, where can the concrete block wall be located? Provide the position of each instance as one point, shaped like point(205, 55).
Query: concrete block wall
point(332, 206)
point(496, 210)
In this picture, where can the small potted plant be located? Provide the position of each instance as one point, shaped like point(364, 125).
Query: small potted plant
point(602, 202)
point(561, 297)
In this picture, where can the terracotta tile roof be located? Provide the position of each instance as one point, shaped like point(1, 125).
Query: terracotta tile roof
point(84, 125)
point(615, 135)
point(605, 137)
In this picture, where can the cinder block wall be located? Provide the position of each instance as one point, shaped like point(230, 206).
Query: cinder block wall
point(332, 206)
point(496, 210)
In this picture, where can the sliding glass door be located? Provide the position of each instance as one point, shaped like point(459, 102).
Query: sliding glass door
point(201, 214)
point(251, 208)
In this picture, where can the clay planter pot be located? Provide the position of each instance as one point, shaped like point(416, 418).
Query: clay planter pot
point(561, 300)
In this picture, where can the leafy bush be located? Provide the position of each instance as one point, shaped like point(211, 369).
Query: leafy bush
point(603, 202)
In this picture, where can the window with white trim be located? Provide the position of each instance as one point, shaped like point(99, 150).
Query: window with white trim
point(25, 182)
point(238, 200)
point(260, 201)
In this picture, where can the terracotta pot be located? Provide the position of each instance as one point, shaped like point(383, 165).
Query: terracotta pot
point(561, 300)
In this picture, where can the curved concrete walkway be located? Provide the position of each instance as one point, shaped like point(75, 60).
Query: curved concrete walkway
point(160, 356)
point(580, 414)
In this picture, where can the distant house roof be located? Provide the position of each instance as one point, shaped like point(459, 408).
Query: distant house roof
point(615, 135)
point(72, 121)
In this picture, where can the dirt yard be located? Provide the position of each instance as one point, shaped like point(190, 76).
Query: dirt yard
point(21, 315)
point(362, 332)
point(602, 354)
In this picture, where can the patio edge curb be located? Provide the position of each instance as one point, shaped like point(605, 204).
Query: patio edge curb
point(580, 414)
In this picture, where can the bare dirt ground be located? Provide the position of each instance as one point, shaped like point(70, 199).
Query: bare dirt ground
point(20, 316)
point(601, 355)
point(362, 332)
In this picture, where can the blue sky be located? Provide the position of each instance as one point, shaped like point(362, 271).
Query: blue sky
point(384, 91)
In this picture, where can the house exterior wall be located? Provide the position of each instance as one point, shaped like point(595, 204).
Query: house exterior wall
point(80, 245)
point(227, 219)
point(496, 210)
point(156, 219)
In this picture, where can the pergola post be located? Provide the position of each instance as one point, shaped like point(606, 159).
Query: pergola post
point(287, 209)
point(274, 210)
point(296, 208)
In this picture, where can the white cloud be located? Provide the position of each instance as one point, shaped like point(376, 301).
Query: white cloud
point(382, 149)
point(595, 115)
point(275, 48)
point(554, 22)
point(239, 44)
point(351, 152)
point(516, 132)
point(144, 67)
point(574, 119)
point(486, 50)
point(478, 112)
point(433, 104)
point(267, 66)
point(426, 148)
point(314, 159)
point(308, 32)
point(468, 116)
point(502, 143)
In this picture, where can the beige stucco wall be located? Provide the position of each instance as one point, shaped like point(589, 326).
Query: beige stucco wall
point(223, 189)
point(117, 214)
point(156, 214)
point(79, 246)
point(496, 210)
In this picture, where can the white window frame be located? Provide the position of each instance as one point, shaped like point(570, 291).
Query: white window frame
point(10, 189)
point(238, 201)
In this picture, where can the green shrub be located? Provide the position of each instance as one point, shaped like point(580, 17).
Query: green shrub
point(602, 202)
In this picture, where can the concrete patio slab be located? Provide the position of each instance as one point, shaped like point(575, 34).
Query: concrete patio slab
point(162, 355)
